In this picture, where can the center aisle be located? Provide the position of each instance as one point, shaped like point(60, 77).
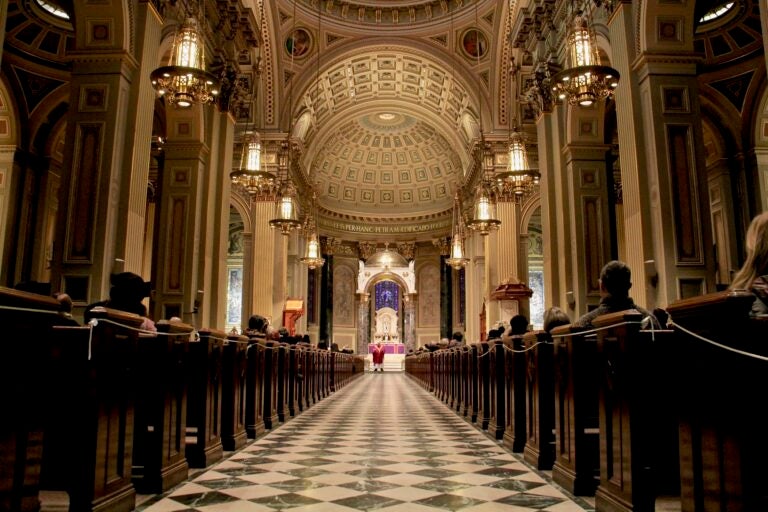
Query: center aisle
point(381, 443)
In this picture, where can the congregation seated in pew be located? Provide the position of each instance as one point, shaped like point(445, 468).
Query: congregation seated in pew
point(615, 282)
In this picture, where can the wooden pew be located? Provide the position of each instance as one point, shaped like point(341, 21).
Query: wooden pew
point(234, 392)
point(514, 381)
point(256, 354)
point(23, 394)
point(723, 451)
point(539, 448)
point(283, 382)
point(577, 450)
point(638, 420)
point(89, 429)
point(498, 389)
point(465, 403)
point(484, 385)
point(474, 368)
point(204, 445)
point(270, 384)
point(159, 460)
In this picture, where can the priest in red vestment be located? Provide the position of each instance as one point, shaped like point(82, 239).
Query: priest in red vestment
point(378, 357)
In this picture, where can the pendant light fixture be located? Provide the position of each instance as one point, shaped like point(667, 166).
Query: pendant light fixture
point(457, 259)
point(484, 218)
point(584, 81)
point(286, 207)
point(519, 180)
point(184, 81)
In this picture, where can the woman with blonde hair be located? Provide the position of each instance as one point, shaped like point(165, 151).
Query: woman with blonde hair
point(753, 275)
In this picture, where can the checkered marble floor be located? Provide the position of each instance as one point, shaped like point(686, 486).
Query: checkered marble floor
point(382, 443)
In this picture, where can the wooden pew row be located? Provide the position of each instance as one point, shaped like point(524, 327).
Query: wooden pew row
point(723, 451)
point(101, 411)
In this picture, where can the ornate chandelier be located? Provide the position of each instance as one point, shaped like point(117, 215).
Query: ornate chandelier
point(484, 218)
point(184, 80)
point(585, 81)
point(519, 179)
point(286, 211)
point(457, 259)
point(312, 254)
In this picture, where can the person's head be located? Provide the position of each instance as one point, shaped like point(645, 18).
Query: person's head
point(518, 324)
point(127, 292)
point(553, 317)
point(305, 339)
point(756, 262)
point(257, 323)
point(283, 333)
point(616, 279)
point(65, 302)
point(378, 344)
point(458, 336)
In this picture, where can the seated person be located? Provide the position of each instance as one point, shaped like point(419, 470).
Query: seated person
point(554, 317)
point(126, 294)
point(518, 325)
point(753, 275)
point(457, 340)
point(257, 326)
point(615, 282)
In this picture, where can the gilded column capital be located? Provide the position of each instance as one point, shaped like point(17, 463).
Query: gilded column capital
point(366, 249)
point(443, 244)
point(407, 250)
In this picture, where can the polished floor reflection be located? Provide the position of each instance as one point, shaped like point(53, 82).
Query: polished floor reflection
point(382, 443)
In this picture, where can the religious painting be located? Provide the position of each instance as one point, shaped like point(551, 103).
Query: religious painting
point(474, 43)
point(298, 43)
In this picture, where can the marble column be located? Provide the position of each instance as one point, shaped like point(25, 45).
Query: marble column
point(409, 310)
point(7, 171)
point(363, 322)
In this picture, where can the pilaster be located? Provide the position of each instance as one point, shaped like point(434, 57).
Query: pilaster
point(178, 290)
point(588, 227)
point(665, 196)
point(88, 238)
point(265, 240)
point(214, 232)
point(409, 310)
point(7, 171)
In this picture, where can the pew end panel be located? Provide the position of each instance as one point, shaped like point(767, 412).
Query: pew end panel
point(723, 453)
point(204, 401)
point(638, 419)
point(577, 449)
point(89, 430)
point(161, 409)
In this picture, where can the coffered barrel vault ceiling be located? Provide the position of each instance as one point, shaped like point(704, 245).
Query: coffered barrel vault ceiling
point(394, 105)
point(387, 160)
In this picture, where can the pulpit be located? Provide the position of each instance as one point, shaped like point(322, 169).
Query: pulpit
point(293, 310)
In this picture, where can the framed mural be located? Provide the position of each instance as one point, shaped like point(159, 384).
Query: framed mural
point(298, 43)
point(474, 43)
